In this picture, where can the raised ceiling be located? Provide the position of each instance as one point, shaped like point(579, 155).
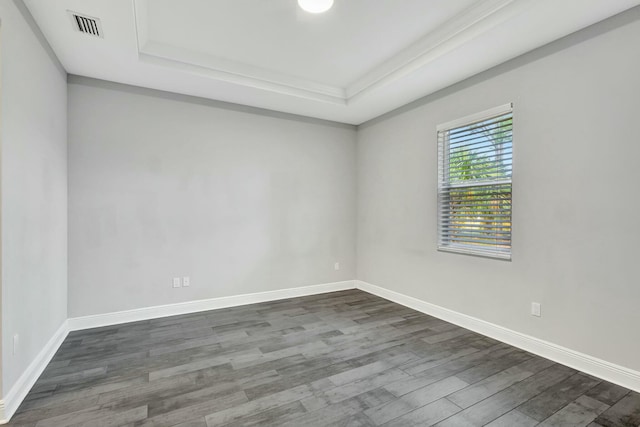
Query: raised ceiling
point(333, 50)
point(360, 59)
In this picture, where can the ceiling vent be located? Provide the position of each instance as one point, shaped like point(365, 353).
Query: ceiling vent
point(86, 24)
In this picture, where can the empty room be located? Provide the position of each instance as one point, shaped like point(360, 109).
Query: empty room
point(306, 213)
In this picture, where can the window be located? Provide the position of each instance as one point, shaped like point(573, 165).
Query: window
point(474, 184)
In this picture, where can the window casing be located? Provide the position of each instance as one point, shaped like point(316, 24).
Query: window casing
point(475, 163)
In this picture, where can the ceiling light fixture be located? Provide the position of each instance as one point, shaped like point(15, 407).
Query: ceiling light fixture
point(315, 6)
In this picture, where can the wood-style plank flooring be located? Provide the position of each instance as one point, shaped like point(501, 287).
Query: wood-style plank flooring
point(338, 359)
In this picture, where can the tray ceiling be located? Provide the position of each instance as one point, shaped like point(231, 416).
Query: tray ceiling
point(360, 59)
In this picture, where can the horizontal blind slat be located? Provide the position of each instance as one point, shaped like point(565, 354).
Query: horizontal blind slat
point(478, 167)
point(486, 183)
point(483, 242)
point(479, 138)
point(483, 150)
point(488, 228)
point(478, 125)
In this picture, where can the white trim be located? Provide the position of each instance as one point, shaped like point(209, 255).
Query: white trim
point(461, 29)
point(608, 371)
point(611, 372)
point(461, 249)
point(166, 56)
point(18, 392)
point(477, 117)
point(146, 313)
point(221, 69)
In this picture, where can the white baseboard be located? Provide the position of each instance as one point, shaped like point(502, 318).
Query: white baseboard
point(107, 319)
point(16, 394)
point(19, 391)
point(591, 365)
point(608, 371)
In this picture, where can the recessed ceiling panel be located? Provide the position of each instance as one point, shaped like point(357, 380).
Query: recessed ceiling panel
point(334, 48)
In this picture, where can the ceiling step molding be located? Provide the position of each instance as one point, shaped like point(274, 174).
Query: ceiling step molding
point(469, 24)
point(461, 29)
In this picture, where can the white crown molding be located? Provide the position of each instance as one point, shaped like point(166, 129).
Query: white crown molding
point(228, 71)
point(244, 71)
point(146, 313)
point(462, 28)
point(16, 394)
point(158, 54)
point(611, 372)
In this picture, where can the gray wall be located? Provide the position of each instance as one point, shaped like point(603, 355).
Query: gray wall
point(576, 176)
point(240, 200)
point(34, 191)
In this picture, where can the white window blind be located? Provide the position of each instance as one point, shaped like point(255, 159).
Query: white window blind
point(474, 184)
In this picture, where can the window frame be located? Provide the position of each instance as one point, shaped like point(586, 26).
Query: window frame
point(443, 153)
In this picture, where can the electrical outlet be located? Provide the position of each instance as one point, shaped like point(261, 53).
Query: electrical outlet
point(16, 341)
point(336, 266)
point(186, 282)
point(535, 309)
point(176, 282)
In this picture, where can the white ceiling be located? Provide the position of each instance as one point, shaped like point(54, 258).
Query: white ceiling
point(351, 64)
point(275, 36)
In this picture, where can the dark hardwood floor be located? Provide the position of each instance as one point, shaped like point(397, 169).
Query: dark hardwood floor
point(339, 359)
